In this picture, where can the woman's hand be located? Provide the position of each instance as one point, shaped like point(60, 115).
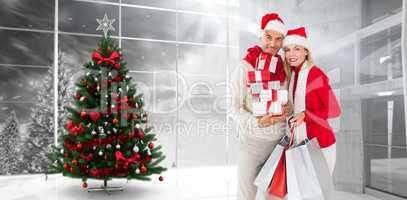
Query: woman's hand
point(287, 109)
point(297, 119)
point(269, 119)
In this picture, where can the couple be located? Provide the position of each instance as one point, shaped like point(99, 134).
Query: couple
point(311, 102)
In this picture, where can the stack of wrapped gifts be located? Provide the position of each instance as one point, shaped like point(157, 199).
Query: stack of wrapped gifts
point(267, 94)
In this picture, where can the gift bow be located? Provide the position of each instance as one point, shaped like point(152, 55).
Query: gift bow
point(120, 159)
point(96, 56)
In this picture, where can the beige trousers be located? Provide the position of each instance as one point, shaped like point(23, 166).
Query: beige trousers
point(253, 153)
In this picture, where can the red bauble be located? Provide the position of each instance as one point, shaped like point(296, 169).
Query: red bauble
point(141, 134)
point(114, 96)
point(66, 155)
point(131, 134)
point(74, 162)
point(115, 121)
point(117, 66)
point(137, 156)
point(117, 78)
point(69, 124)
point(143, 169)
point(94, 172)
point(83, 114)
point(161, 178)
point(148, 158)
point(95, 116)
point(78, 96)
point(79, 146)
point(151, 146)
point(84, 185)
point(66, 166)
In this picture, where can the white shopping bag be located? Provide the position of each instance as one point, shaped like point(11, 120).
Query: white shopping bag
point(302, 179)
point(321, 167)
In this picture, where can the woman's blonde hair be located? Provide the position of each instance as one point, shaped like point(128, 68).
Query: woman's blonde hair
point(287, 68)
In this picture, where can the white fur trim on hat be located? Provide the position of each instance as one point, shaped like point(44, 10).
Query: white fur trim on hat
point(276, 25)
point(297, 40)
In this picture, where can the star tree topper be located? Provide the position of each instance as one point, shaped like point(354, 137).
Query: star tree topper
point(105, 24)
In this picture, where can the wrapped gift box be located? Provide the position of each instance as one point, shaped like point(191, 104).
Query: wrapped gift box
point(255, 88)
point(261, 108)
point(269, 101)
point(261, 65)
point(257, 76)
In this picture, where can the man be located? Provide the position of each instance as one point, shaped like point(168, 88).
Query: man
point(258, 136)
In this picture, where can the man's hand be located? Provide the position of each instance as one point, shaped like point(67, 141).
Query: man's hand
point(265, 120)
point(269, 119)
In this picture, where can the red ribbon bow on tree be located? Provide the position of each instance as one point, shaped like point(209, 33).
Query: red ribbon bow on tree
point(75, 129)
point(97, 57)
point(120, 159)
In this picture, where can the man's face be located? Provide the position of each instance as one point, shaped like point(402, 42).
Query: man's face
point(272, 41)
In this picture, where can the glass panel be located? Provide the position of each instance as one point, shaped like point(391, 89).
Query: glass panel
point(340, 66)
point(201, 28)
point(21, 84)
point(74, 16)
point(385, 141)
point(37, 14)
point(149, 56)
point(195, 59)
point(209, 6)
point(75, 51)
point(26, 48)
point(374, 11)
point(148, 23)
point(153, 3)
point(202, 122)
point(387, 173)
point(381, 56)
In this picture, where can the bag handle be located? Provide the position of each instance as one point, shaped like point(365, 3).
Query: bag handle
point(291, 137)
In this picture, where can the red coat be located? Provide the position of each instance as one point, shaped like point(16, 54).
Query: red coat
point(320, 105)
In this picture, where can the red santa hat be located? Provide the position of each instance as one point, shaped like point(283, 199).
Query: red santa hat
point(297, 36)
point(273, 22)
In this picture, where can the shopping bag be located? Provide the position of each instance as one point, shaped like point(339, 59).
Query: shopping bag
point(263, 179)
point(266, 173)
point(278, 186)
point(302, 181)
point(323, 174)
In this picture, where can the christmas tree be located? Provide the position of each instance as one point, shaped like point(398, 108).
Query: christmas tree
point(106, 134)
point(9, 138)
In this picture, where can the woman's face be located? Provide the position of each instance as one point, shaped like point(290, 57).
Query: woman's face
point(295, 55)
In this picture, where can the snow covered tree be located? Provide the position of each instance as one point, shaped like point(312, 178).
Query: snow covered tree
point(41, 128)
point(9, 138)
point(65, 89)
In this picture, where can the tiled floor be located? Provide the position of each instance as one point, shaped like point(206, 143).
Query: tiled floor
point(215, 183)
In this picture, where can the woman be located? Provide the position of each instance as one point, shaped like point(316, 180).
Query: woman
point(311, 95)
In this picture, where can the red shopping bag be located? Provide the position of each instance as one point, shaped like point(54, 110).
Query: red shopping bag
point(278, 185)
